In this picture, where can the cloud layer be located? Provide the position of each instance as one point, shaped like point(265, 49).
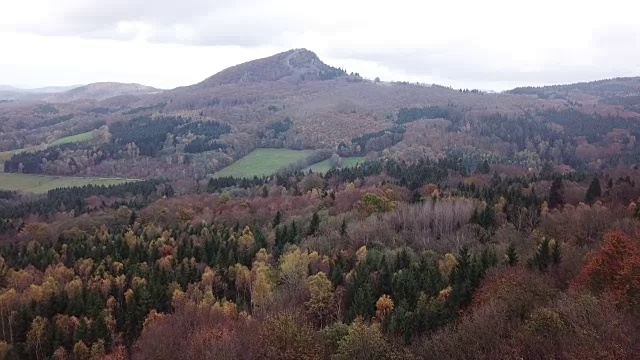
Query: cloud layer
point(464, 43)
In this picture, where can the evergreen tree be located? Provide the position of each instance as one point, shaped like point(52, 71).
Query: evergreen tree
point(277, 219)
point(542, 258)
point(593, 192)
point(484, 168)
point(315, 224)
point(416, 197)
point(343, 228)
point(511, 255)
point(556, 253)
point(556, 194)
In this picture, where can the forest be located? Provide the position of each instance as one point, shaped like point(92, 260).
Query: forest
point(386, 260)
point(474, 226)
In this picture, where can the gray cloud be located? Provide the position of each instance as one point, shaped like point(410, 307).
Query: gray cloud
point(191, 22)
point(613, 54)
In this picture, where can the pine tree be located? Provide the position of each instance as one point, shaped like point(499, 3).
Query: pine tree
point(556, 194)
point(511, 255)
point(593, 192)
point(343, 228)
point(277, 219)
point(484, 168)
point(556, 253)
point(543, 256)
point(315, 224)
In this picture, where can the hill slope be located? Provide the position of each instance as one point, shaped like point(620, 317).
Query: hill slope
point(296, 64)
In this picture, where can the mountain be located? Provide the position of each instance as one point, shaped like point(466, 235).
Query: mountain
point(52, 89)
point(8, 92)
point(7, 88)
point(295, 64)
point(102, 91)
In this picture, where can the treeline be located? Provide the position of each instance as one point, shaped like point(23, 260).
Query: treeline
point(144, 108)
point(31, 162)
point(133, 194)
point(331, 73)
point(411, 176)
point(150, 134)
point(375, 141)
point(53, 121)
point(592, 126)
point(406, 115)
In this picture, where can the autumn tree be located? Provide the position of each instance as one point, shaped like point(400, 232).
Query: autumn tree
point(285, 337)
point(36, 337)
point(320, 297)
point(614, 269)
point(384, 307)
point(363, 342)
point(81, 351)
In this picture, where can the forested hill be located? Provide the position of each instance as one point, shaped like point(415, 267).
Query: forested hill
point(296, 64)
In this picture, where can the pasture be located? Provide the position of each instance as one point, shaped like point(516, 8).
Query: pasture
point(43, 183)
point(262, 162)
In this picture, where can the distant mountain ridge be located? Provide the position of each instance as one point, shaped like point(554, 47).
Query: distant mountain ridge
point(102, 91)
point(42, 90)
point(615, 86)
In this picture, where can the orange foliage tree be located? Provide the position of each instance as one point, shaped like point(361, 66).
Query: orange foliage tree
point(614, 270)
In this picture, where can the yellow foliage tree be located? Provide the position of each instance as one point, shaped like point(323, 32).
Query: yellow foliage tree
point(36, 336)
point(294, 267)
point(384, 307)
point(81, 351)
point(246, 240)
point(321, 297)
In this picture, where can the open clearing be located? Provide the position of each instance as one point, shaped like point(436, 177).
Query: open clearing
point(324, 166)
point(6, 155)
point(44, 183)
point(262, 162)
point(73, 138)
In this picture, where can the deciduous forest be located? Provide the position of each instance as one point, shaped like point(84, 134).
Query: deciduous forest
point(478, 226)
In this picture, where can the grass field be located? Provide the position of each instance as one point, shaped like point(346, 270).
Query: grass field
point(73, 138)
point(324, 166)
point(262, 162)
point(42, 184)
point(6, 155)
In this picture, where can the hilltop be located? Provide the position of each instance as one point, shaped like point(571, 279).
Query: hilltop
point(295, 64)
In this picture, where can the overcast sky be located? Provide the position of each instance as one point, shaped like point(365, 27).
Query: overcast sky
point(488, 44)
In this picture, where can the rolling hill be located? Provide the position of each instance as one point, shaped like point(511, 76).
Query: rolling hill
point(101, 91)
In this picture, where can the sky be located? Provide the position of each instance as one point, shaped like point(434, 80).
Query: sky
point(488, 45)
